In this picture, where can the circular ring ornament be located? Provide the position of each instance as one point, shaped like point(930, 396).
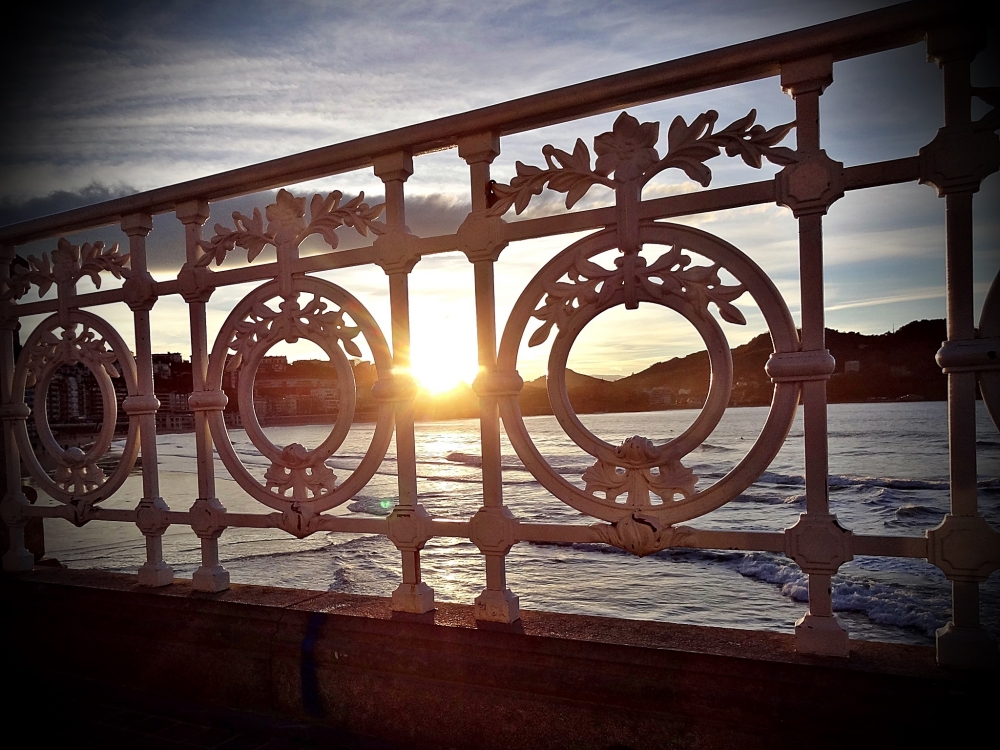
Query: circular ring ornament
point(84, 338)
point(989, 327)
point(298, 479)
point(629, 474)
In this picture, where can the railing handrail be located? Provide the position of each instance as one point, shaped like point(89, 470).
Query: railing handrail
point(863, 34)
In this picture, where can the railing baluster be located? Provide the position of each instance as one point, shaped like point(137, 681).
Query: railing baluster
point(14, 501)
point(493, 527)
point(207, 509)
point(808, 188)
point(408, 527)
point(140, 295)
point(962, 642)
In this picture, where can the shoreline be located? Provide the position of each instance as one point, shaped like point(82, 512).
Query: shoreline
point(320, 419)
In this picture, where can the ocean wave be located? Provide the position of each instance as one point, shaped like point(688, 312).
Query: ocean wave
point(847, 480)
point(597, 548)
point(710, 448)
point(226, 557)
point(882, 603)
point(373, 506)
point(786, 575)
point(450, 478)
point(467, 459)
point(837, 481)
point(570, 470)
point(914, 515)
point(473, 461)
point(918, 511)
point(763, 498)
point(886, 604)
point(772, 477)
point(468, 479)
point(676, 554)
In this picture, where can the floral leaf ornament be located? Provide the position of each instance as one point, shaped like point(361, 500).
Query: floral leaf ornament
point(627, 155)
point(285, 218)
point(69, 264)
point(287, 227)
point(628, 150)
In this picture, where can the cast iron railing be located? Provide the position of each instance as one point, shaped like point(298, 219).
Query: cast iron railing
point(640, 491)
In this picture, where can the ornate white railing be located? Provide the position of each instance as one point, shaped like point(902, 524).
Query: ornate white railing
point(641, 491)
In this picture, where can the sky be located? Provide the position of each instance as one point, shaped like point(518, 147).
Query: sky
point(111, 98)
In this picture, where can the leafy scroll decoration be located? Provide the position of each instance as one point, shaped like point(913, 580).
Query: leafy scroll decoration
point(672, 477)
point(300, 474)
point(627, 154)
point(286, 225)
point(641, 534)
point(70, 347)
point(69, 264)
point(290, 323)
point(670, 275)
point(77, 474)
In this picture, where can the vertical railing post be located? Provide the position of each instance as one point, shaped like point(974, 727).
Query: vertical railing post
point(955, 162)
point(408, 526)
point(140, 295)
point(817, 543)
point(207, 511)
point(14, 501)
point(493, 528)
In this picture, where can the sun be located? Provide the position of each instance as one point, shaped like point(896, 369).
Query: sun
point(443, 349)
point(442, 368)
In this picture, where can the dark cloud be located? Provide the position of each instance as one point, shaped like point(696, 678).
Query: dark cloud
point(427, 215)
point(12, 212)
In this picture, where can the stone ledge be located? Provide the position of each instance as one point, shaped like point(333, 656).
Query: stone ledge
point(889, 658)
point(342, 660)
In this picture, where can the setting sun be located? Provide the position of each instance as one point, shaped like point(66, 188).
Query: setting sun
point(443, 333)
point(439, 371)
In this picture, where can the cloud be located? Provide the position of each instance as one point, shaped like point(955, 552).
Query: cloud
point(104, 99)
point(109, 93)
point(13, 211)
point(916, 294)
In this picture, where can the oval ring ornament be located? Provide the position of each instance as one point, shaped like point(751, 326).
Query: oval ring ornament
point(85, 339)
point(298, 479)
point(989, 328)
point(638, 467)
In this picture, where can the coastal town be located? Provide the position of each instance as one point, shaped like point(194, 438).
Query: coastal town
point(893, 366)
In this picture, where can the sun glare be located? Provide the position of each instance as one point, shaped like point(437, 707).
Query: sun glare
point(439, 371)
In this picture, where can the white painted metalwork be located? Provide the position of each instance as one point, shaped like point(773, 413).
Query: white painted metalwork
point(640, 491)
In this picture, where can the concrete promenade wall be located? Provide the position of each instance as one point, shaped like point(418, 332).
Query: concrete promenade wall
point(558, 681)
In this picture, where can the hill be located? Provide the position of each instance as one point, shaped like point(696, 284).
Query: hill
point(885, 367)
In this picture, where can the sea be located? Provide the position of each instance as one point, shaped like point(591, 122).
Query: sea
point(888, 475)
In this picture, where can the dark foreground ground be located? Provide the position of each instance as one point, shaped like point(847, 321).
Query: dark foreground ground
point(94, 660)
point(62, 711)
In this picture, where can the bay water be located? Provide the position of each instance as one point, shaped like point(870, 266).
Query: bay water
point(888, 475)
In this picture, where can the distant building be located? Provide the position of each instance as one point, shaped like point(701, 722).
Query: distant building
point(174, 414)
point(272, 364)
point(164, 364)
point(172, 385)
point(304, 388)
point(74, 397)
point(660, 396)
